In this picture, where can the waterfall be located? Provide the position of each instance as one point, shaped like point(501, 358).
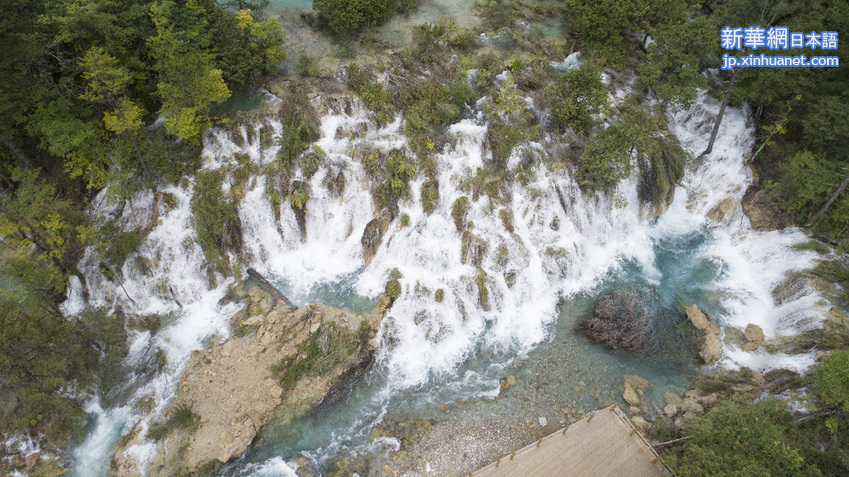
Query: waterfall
point(564, 242)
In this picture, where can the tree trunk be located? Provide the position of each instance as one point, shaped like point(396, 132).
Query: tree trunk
point(13, 146)
point(830, 201)
point(721, 113)
point(138, 153)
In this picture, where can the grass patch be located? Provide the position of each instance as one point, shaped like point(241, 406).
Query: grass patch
point(181, 417)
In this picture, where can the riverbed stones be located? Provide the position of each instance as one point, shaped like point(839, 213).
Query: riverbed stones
point(640, 423)
point(670, 410)
point(637, 382)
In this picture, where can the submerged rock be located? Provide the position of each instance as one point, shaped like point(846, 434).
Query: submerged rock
point(630, 395)
point(701, 321)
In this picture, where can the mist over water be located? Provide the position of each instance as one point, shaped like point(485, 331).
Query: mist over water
point(566, 249)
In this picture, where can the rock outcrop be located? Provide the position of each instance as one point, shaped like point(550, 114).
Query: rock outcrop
point(763, 214)
point(232, 389)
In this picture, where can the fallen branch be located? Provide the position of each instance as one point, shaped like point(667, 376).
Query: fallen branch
point(680, 439)
point(267, 286)
point(830, 201)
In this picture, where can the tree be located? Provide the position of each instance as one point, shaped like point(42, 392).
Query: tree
point(106, 84)
point(740, 440)
point(348, 15)
point(575, 96)
point(676, 58)
point(188, 83)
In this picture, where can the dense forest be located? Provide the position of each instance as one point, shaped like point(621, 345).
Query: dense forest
point(99, 93)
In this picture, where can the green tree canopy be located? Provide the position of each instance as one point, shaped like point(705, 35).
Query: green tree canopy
point(348, 15)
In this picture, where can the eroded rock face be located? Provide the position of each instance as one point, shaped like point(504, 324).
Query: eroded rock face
point(232, 389)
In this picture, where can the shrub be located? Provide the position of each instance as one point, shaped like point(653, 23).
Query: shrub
point(606, 160)
point(300, 126)
point(405, 220)
point(215, 219)
point(575, 96)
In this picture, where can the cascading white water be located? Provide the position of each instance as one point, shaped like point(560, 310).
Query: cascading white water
point(563, 243)
point(756, 262)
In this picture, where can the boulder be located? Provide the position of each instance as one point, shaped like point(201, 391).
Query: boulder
point(711, 349)
point(640, 423)
point(764, 215)
point(701, 320)
point(754, 333)
point(232, 390)
point(373, 234)
point(670, 410)
point(690, 405)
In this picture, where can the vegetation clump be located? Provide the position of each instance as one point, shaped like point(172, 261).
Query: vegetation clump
point(181, 417)
point(329, 346)
point(439, 295)
point(458, 212)
point(430, 196)
point(215, 220)
point(624, 320)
